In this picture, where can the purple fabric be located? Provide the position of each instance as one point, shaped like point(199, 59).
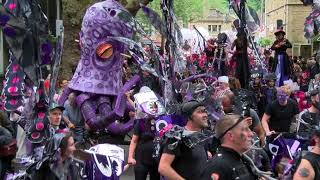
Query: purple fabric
point(160, 123)
point(64, 96)
point(96, 122)
point(287, 148)
point(94, 75)
point(104, 105)
point(94, 173)
point(121, 100)
point(121, 129)
point(280, 70)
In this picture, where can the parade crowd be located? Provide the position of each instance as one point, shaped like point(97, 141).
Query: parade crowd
point(225, 110)
point(281, 101)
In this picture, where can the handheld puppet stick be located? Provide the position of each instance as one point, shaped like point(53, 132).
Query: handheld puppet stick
point(125, 55)
point(57, 60)
point(126, 167)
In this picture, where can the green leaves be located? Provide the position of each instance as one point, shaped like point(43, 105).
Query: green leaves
point(185, 10)
point(264, 42)
point(222, 5)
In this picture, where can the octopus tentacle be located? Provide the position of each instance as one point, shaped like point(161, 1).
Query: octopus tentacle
point(120, 128)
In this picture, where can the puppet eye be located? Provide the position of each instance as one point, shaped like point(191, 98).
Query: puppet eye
point(104, 51)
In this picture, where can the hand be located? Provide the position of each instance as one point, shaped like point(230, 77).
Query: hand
point(71, 125)
point(128, 94)
point(209, 155)
point(270, 133)
point(132, 161)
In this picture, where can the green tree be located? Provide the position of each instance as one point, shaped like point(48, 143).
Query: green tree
point(185, 10)
point(264, 42)
point(222, 5)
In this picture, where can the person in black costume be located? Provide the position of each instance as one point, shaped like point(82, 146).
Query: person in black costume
point(282, 66)
point(228, 163)
point(309, 167)
point(241, 57)
point(221, 56)
point(58, 162)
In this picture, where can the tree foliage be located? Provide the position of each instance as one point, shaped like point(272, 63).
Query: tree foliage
point(185, 10)
point(264, 42)
point(222, 5)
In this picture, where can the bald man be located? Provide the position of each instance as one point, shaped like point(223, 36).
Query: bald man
point(235, 136)
point(229, 106)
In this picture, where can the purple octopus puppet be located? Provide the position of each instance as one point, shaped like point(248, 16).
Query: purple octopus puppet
point(98, 77)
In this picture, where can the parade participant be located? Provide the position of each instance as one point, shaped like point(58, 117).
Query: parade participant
point(55, 116)
point(209, 50)
point(269, 60)
point(235, 136)
point(309, 167)
point(279, 115)
point(241, 57)
point(221, 55)
point(282, 66)
point(230, 106)
point(314, 83)
point(310, 115)
point(73, 116)
point(256, 87)
point(141, 145)
point(57, 163)
point(223, 87)
point(6, 138)
point(178, 160)
point(296, 68)
point(270, 91)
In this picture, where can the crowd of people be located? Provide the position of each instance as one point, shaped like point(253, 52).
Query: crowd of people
point(232, 111)
point(271, 105)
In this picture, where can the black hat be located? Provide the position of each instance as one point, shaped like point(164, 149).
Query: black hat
point(280, 31)
point(56, 106)
point(270, 76)
point(188, 107)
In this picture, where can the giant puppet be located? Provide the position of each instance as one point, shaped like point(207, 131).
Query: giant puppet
point(98, 77)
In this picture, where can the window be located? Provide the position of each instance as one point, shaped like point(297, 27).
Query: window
point(219, 28)
point(214, 28)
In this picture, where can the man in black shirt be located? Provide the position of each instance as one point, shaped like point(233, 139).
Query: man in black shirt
point(183, 162)
point(310, 116)
point(279, 114)
point(229, 105)
point(309, 167)
point(228, 164)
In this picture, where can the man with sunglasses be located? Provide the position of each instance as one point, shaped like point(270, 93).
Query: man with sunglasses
point(236, 138)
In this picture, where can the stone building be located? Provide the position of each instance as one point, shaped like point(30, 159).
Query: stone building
point(289, 14)
point(214, 21)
